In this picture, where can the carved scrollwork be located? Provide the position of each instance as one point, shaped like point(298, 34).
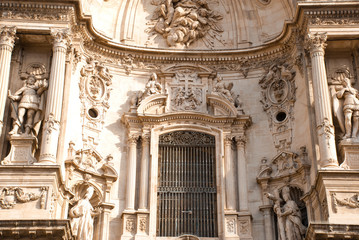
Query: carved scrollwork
point(61, 38)
point(316, 42)
point(7, 36)
point(351, 202)
point(186, 138)
point(10, 196)
point(183, 22)
point(95, 88)
point(278, 97)
point(130, 225)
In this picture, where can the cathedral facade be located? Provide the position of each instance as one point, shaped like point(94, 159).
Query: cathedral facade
point(179, 119)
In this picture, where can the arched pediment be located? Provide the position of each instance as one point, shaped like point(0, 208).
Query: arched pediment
point(154, 104)
point(220, 106)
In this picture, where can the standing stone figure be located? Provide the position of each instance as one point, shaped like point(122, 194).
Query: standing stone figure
point(350, 108)
point(29, 97)
point(82, 217)
point(223, 89)
point(290, 225)
point(152, 87)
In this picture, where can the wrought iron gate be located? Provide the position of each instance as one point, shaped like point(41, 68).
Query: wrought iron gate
point(187, 202)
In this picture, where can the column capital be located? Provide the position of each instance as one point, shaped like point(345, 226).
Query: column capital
point(240, 140)
point(146, 137)
point(132, 138)
point(228, 140)
point(61, 38)
point(7, 36)
point(316, 42)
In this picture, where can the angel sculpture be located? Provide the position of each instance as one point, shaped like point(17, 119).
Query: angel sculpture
point(224, 90)
point(152, 87)
point(347, 111)
point(28, 112)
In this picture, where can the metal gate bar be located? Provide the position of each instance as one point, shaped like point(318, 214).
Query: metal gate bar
point(187, 202)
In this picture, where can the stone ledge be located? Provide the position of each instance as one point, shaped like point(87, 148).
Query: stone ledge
point(325, 231)
point(35, 229)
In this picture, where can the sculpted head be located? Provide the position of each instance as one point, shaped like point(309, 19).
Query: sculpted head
point(286, 193)
point(153, 77)
point(89, 192)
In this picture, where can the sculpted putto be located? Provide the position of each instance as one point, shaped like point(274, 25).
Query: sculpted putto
point(27, 112)
point(82, 217)
point(349, 107)
point(290, 225)
point(181, 22)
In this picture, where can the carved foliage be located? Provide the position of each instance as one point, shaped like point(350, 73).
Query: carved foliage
point(95, 88)
point(185, 21)
point(10, 196)
point(350, 202)
point(186, 138)
point(316, 42)
point(7, 36)
point(278, 97)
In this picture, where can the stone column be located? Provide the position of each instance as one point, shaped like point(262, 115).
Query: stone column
point(52, 118)
point(7, 40)
point(144, 171)
point(131, 173)
point(242, 174)
point(325, 129)
point(229, 176)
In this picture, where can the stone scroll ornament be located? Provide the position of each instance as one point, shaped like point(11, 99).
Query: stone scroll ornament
point(346, 106)
point(182, 22)
point(10, 196)
point(27, 103)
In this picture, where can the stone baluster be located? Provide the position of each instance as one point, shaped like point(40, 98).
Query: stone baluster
point(54, 98)
point(242, 174)
point(7, 40)
point(229, 175)
point(325, 129)
point(131, 173)
point(144, 171)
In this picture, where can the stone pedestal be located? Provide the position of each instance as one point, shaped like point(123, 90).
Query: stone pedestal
point(349, 150)
point(231, 226)
point(142, 225)
point(32, 191)
point(129, 222)
point(245, 226)
point(21, 152)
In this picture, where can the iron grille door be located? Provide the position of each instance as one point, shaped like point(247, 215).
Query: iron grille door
point(187, 202)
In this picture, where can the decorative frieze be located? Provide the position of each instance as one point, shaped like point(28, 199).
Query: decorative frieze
point(10, 196)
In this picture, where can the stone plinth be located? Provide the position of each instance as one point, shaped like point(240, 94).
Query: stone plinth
point(21, 152)
point(33, 191)
point(349, 151)
point(334, 198)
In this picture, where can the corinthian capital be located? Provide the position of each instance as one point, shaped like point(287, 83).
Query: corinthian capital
point(7, 36)
point(316, 42)
point(61, 37)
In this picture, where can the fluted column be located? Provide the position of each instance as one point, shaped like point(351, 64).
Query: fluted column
point(51, 131)
point(242, 174)
point(7, 40)
point(144, 171)
point(325, 129)
point(230, 187)
point(131, 173)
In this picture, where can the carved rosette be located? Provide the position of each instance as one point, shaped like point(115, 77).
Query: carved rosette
point(95, 87)
point(316, 43)
point(7, 37)
point(278, 98)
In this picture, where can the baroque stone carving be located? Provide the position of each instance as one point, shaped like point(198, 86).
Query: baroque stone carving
point(186, 137)
point(182, 22)
point(152, 87)
point(10, 196)
point(28, 102)
point(278, 97)
point(82, 215)
point(130, 225)
point(289, 219)
point(346, 106)
point(143, 224)
point(95, 87)
point(231, 225)
point(7, 36)
point(224, 89)
point(186, 100)
point(351, 202)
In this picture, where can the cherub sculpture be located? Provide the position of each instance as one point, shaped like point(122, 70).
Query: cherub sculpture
point(28, 112)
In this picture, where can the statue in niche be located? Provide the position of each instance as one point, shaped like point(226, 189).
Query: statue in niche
point(28, 112)
point(349, 123)
point(82, 215)
point(290, 225)
point(225, 90)
point(181, 22)
point(152, 87)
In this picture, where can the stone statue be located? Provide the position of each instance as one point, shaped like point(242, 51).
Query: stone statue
point(82, 215)
point(350, 108)
point(152, 87)
point(290, 225)
point(30, 103)
point(224, 90)
point(181, 22)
